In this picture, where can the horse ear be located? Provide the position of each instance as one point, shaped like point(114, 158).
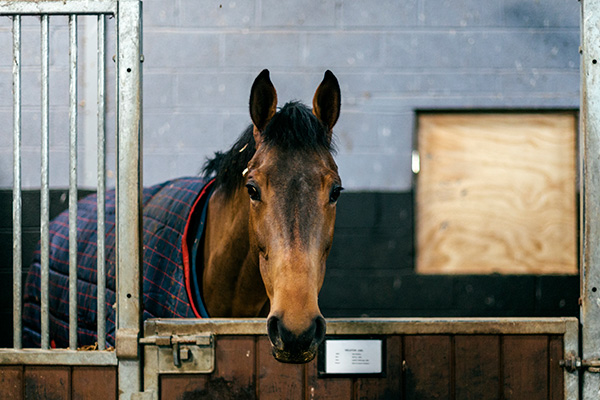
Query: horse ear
point(327, 101)
point(263, 103)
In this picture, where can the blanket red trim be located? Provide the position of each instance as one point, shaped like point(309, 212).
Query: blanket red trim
point(184, 247)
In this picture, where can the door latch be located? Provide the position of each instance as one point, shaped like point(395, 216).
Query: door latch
point(183, 354)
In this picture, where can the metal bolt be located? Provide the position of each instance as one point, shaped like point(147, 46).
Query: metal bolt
point(185, 354)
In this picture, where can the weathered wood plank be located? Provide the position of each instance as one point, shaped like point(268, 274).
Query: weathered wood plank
point(11, 382)
point(276, 380)
point(178, 387)
point(525, 366)
point(496, 193)
point(235, 365)
point(556, 378)
point(390, 386)
point(477, 367)
point(94, 383)
point(48, 382)
point(331, 388)
point(428, 367)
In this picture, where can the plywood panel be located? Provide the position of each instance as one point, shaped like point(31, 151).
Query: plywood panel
point(276, 380)
point(48, 382)
point(496, 193)
point(525, 365)
point(428, 367)
point(94, 383)
point(477, 367)
point(11, 382)
point(389, 386)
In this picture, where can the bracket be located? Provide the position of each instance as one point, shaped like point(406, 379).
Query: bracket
point(127, 344)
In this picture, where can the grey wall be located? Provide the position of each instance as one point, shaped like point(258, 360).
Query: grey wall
point(391, 58)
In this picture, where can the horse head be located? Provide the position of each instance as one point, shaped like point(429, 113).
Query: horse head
point(293, 186)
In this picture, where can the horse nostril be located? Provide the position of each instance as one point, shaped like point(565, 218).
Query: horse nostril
point(273, 331)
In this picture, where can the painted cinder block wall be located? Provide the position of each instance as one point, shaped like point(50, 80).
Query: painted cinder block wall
point(392, 57)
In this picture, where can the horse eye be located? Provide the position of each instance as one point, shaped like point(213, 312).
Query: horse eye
point(335, 193)
point(253, 192)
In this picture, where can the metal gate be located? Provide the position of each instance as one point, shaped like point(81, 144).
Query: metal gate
point(422, 357)
point(128, 29)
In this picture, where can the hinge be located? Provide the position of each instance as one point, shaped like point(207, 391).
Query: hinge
point(183, 354)
point(127, 344)
point(573, 363)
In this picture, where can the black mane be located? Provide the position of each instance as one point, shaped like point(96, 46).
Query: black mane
point(294, 127)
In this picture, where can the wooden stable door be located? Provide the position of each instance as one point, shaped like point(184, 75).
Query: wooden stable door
point(417, 367)
point(496, 193)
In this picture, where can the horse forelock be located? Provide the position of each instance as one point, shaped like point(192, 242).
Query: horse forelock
point(293, 128)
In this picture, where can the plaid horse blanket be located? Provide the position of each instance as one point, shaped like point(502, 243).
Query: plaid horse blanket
point(172, 224)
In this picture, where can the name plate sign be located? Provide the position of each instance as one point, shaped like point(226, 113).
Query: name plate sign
point(360, 356)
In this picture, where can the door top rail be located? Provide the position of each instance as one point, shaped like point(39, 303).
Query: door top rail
point(375, 326)
point(57, 7)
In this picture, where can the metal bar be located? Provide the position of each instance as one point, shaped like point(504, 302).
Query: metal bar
point(81, 7)
point(17, 200)
point(57, 357)
point(129, 191)
point(571, 346)
point(45, 188)
point(73, 182)
point(101, 270)
point(590, 192)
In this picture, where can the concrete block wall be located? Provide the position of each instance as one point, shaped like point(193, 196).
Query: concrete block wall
point(391, 58)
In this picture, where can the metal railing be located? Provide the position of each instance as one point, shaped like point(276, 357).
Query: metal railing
point(128, 181)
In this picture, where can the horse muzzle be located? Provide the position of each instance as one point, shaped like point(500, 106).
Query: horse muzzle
point(289, 347)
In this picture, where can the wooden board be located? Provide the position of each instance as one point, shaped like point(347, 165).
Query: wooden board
point(390, 385)
point(47, 382)
point(276, 380)
point(58, 382)
point(178, 387)
point(521, 381)
point(496, 193)
point(428, 367)
point(477, 367)
point(11, 382)
point(332, 388)
point(94, 383)
point(417, 367)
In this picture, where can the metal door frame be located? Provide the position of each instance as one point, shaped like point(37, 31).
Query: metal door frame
point(590, 193)
point(128, 14)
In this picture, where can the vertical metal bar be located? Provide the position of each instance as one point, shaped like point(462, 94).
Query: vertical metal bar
point(73, 182)
point(101, 271)
point(590, 193)
point(571, 346)
point(17, 201)
point(45, 188)
point(129, 192)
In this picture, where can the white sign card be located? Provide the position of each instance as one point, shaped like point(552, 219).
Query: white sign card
point(353, 356)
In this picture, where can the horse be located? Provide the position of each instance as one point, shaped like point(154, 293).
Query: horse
point(250, 238)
